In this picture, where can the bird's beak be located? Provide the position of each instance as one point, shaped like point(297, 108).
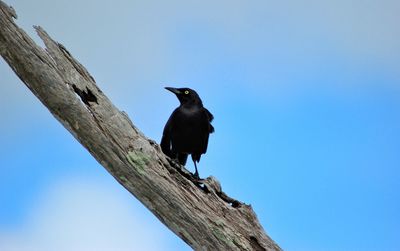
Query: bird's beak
point(173, 90)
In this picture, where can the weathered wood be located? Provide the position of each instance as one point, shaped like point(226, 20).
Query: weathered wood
point(199, 213)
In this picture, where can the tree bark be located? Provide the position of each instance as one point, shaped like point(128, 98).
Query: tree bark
point(200, 213)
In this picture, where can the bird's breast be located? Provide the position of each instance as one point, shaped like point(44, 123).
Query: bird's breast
point(189, 132)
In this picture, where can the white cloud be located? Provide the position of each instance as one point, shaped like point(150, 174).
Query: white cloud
point(84, 215)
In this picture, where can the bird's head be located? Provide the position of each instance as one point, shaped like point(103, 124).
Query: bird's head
point(186, 96)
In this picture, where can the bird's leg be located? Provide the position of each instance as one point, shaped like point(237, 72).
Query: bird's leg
point(182, 158)
point(196, 173)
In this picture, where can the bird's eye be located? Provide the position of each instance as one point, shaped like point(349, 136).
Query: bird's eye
point(186, 92)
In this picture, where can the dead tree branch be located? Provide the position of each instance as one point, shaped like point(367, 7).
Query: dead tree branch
point(200, 214)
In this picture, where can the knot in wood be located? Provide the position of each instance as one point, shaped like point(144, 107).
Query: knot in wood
point(212, 184)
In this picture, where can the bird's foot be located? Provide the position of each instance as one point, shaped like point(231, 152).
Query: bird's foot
point(196, 176)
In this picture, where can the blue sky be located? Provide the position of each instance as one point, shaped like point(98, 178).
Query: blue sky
point(306, 99)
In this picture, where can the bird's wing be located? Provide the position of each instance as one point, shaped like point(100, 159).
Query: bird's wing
point(166, 139)
point(210, 119)
point(209, 114)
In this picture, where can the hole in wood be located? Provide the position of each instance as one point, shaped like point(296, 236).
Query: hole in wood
point(86, 96)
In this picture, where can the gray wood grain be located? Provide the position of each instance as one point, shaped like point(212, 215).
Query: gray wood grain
point(200, 213)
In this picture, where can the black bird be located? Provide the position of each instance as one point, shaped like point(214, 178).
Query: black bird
point(187, 129)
